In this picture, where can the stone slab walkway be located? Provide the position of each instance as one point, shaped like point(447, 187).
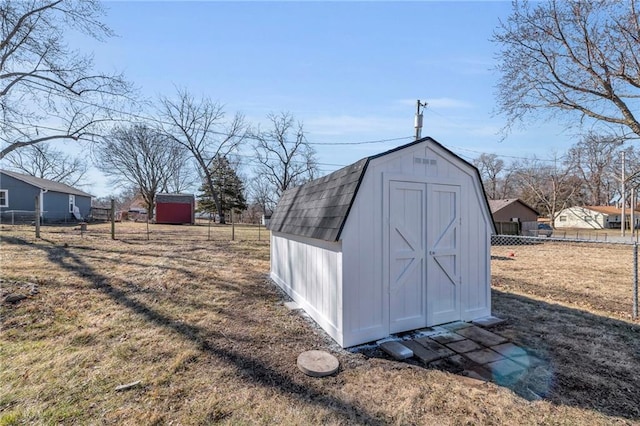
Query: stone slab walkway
point(466, 349)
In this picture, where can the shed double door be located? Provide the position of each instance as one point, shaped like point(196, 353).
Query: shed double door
point(424, 254)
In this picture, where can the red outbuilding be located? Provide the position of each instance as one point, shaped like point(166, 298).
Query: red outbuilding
point(175, 208)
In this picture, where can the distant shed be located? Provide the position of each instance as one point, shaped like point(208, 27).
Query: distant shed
point(175, 208)
point(391, 243)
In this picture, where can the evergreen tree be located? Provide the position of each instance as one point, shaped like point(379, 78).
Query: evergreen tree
point(228, 186)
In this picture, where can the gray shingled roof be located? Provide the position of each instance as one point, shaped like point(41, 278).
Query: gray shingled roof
point(45, 184)
point(319, 208)
point(497, 205)
point(175, 198)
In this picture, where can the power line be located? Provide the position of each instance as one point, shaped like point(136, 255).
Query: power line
point(502, 156)
point(162, 122)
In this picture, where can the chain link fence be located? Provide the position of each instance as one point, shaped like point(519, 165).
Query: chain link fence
point(598, 271)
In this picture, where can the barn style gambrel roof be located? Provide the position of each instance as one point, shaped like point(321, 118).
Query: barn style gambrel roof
point(45, 184)
point(319, 208)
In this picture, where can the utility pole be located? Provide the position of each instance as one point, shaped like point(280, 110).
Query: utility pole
point(418, 120)
point(632, 218)
point(623, 198)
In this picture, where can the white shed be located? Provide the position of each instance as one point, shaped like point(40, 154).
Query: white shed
point(395, 242)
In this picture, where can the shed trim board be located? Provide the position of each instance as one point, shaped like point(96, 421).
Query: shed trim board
point(413, 249)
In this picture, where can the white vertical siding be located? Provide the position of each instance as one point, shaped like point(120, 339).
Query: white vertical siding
point(366, 289)
point(310, 271)
point(366, 300)
point(343, 285)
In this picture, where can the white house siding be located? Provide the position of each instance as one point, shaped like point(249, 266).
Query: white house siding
point(580, 217)
point(366, 289)
point(309, 271)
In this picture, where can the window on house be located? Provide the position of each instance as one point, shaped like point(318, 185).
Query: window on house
point(72, 202)
point(563, 218)
point(4, 198)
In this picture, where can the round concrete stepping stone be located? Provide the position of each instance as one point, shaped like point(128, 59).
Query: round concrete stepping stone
point(317, 363)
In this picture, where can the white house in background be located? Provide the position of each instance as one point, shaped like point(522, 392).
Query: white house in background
point(395, 242)
point(594, 217)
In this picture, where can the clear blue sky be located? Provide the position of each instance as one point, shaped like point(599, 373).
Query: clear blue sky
point(349, 71)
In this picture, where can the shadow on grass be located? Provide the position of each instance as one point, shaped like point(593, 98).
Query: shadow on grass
point(593, 360)
point(252, 368)
point(578, 359)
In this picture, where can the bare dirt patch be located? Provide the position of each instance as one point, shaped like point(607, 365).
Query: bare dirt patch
point(201, 327)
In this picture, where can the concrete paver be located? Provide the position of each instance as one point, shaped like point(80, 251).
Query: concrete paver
point(397, 350)
point(454, 364)
point(439, 351)
point(509, 350)
point(528, 361)
point(481, 336)
point(423, 354)
point(455, 326)
point(489, 321)
point(447, 337)
point(505, 370)
point(463, 346)
point(468, 350)
point(478, 372)
point(484, 356)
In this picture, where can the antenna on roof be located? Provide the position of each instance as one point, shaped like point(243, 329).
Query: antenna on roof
point(418, 121)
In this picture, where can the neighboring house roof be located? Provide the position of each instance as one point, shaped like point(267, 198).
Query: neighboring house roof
point(47, 184)
point(319, 208)
point(608, 210)
point(497, 205)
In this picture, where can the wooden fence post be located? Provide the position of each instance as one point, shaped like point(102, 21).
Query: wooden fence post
point(113, 219)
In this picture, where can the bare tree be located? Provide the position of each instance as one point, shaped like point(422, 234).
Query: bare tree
point(285, 158)
point(490, 168)
point(548, 186)
point(577, 56)
point(45, 162)
point(180, 175)
point(261, 193)
point(48, 91)
point(200, 127)
point(594, 159)
point(141, 156)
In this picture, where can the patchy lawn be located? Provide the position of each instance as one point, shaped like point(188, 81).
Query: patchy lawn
point(194, 319)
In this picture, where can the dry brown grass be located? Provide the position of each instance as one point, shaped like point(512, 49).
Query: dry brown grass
point(200, 325)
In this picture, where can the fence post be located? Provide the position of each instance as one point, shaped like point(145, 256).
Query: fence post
point(233, 227)
point(37, 218)
point(113, 219)
point(635, 281)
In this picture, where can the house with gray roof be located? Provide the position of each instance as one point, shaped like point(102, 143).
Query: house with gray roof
point(394, 242)
point(58, 202)
point(514, 216)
